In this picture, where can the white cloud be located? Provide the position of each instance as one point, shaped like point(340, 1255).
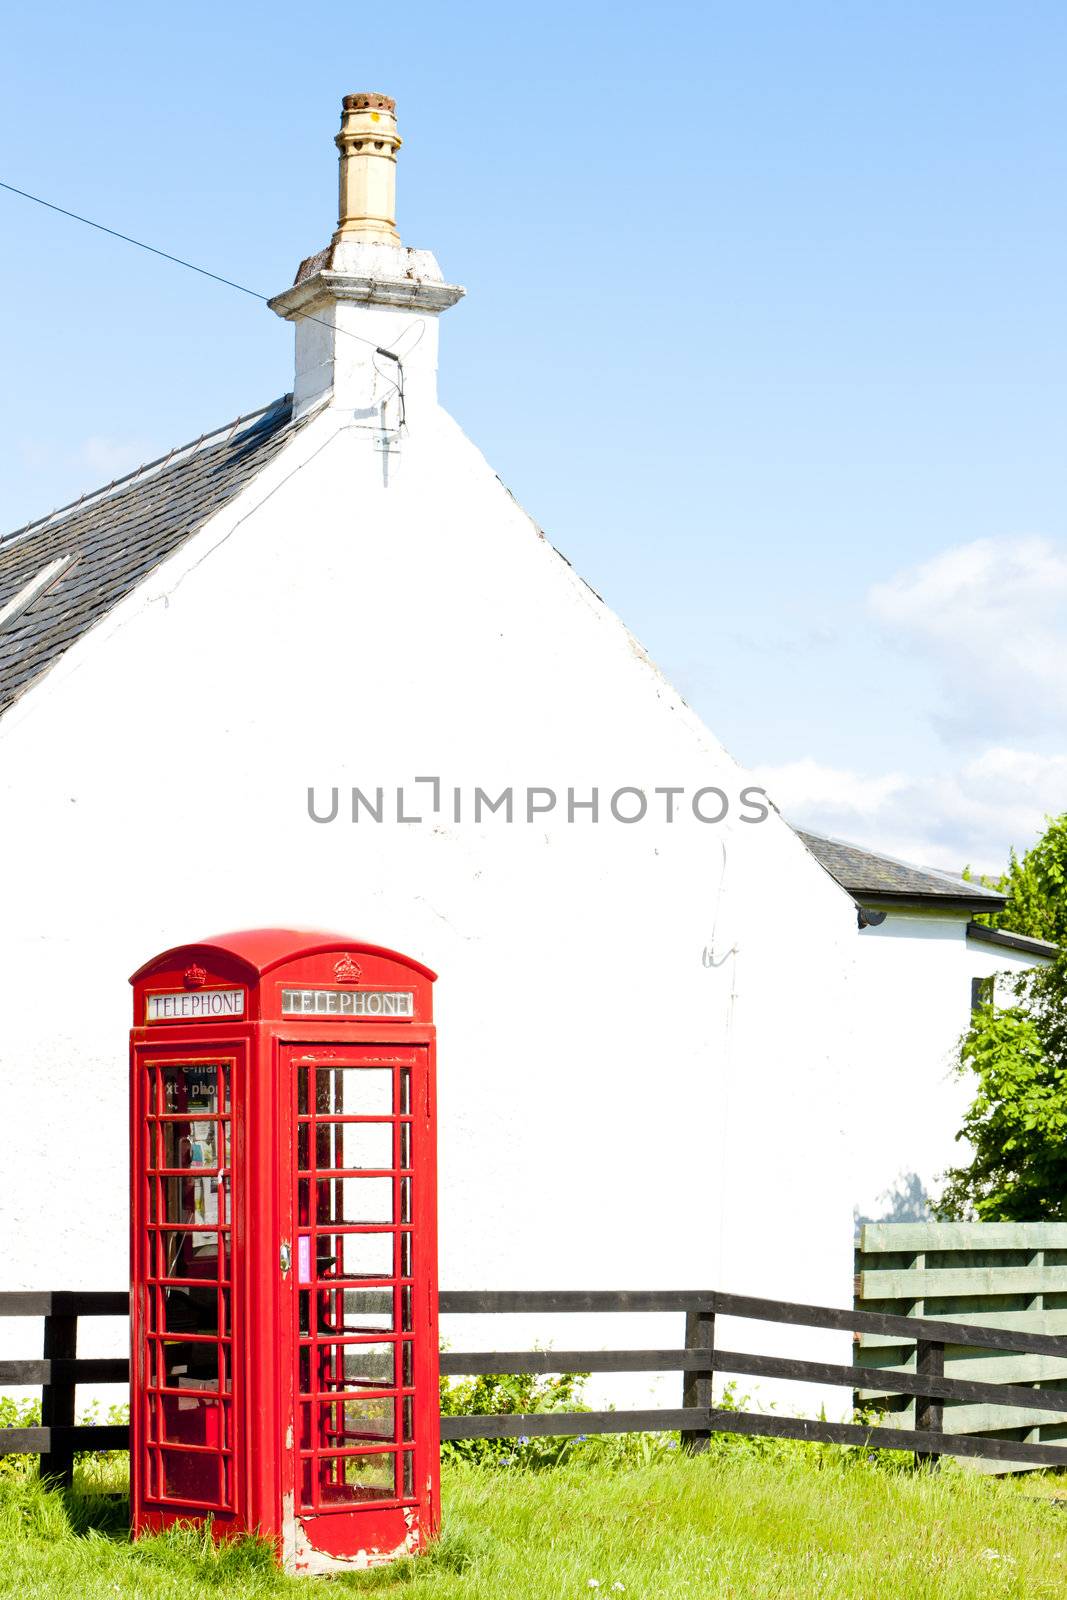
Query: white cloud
point(992, 615)
point(972, 814)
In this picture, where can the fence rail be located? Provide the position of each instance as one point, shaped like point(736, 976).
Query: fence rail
point(61, 1370)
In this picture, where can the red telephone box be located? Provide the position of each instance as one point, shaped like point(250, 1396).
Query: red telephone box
point(284, 1246)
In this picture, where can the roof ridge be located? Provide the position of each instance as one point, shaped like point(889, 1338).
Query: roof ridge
point(224, 431)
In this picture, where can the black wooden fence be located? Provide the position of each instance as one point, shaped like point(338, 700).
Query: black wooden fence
point(58, 1375)
point(61, 1370)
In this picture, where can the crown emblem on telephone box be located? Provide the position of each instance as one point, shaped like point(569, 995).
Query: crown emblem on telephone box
point(346, 970)
point(194, 977)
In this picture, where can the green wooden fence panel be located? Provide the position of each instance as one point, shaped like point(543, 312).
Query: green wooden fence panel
point(997, 1274)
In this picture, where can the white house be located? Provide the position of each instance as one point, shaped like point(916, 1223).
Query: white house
point(320, 669)
point(922, 963)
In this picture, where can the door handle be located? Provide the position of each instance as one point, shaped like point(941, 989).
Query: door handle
point(285, 1258)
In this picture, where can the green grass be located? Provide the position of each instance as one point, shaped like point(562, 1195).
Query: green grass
point(781, 1521)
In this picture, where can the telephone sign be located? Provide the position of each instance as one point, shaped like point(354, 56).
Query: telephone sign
point(348, 1002)
point(198, 1003)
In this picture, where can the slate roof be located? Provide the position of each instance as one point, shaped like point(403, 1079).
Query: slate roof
point(117, 536)
point(869, 875)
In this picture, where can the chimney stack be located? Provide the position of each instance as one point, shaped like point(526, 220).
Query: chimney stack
point(368, 142)
point(366, 293)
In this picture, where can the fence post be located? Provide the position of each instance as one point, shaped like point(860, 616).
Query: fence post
point(696, 1382)
point(929, 1409)
point(57, 1396)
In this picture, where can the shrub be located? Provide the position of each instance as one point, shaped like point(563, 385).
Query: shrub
point(511, 1394)
point(18, 1414)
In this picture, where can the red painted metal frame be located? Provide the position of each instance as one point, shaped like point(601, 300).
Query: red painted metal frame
point(251, 1442)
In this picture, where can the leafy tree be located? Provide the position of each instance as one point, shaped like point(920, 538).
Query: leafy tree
point(1017, 1123)
point(1035, 887)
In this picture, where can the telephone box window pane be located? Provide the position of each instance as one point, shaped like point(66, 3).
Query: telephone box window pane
point(195, 1087)
point(363, 1255)
point(184, 1254)
point(405, 1302)
point(354, 1091)
point(409, 1417)
point(355, 1146)
point(405, 1199)
point(195, 1201)
point(367, 1419)
point(405, 1255)
point(155, 1476)
point(191, 1419)
point(192, 1477)
point(352, 1200)
point(193, 1310)
point(331, 1368)
point(359, 1365)
point(407, 1365)
point(356, 1311)
point(189, 1365)
point(355, 1478)
point(194, 1143)
point(405, 1144)
point(371, 1475)
point(326, 1256)
point(408, 1461)
point(405, 1092)
point(303, 1147)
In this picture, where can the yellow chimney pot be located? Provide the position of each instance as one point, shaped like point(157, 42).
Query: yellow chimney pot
point(368, 143)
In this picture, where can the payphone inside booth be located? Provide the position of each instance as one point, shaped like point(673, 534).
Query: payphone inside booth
point(284, 1374)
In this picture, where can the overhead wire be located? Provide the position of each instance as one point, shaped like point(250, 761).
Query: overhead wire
point(216, 277)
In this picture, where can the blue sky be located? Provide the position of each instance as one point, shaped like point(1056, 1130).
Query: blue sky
point(766, 325)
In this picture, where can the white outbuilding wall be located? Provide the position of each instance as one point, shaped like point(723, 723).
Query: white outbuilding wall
point(913, 976)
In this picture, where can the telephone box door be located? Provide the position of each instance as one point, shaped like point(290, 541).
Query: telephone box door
point(184, 1307)
point(362, 1301)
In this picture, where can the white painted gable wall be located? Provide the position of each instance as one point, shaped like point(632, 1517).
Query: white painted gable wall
point(613, 1112)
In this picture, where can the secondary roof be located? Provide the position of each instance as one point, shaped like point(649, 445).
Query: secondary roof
point(868, 875)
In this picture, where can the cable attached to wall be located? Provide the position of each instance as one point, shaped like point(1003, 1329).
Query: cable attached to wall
point(397, 382)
